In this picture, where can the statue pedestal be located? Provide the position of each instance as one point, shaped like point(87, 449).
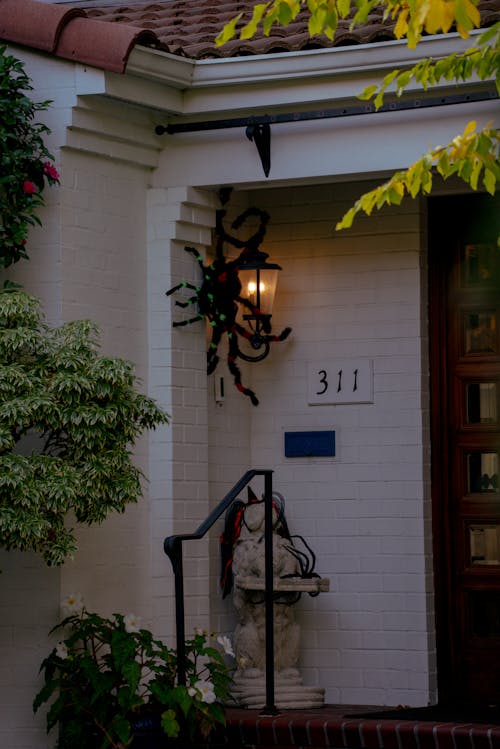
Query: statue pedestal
point(249, 690)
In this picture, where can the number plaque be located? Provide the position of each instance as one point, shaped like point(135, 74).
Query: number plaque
point(340, 381)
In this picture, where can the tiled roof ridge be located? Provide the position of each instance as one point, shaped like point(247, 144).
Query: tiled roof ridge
point(189, 27)
point(35, 24)
point(70, 33)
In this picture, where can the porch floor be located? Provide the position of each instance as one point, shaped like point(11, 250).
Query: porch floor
point(329, 727)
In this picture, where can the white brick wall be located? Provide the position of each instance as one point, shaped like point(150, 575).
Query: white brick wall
point(112, 244)
point(103, 277)
point(356, 294)
point(87, 261)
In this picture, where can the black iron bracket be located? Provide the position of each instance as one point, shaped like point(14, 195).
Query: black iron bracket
point(261, 136)
point(257, 128)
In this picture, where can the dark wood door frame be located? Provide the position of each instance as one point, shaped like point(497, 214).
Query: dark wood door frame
point(450, 222)
point(438, 268)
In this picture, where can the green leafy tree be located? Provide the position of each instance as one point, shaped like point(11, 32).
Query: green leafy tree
point(25, 163)
point(472, 155)
point(68, 417)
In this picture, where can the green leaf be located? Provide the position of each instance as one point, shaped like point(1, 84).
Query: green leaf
point(228, 32)
point(248, 31)
point(368, 92)
point(170, 724)
point(346, 220)
point(121, 726)
point(344, 8)
point(284, 14)
point(489, 181)
point(475, 172)
point(317, 21)
point(403, 80)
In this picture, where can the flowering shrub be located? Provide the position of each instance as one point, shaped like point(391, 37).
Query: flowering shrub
point(25, 163)
point(105, 673)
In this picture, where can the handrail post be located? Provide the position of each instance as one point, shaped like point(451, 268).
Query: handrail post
point(173, 549)
point(270, 707)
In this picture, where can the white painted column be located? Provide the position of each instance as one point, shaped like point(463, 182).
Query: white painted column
point(178, 469)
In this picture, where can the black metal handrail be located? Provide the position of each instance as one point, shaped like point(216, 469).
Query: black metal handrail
point(173, 549)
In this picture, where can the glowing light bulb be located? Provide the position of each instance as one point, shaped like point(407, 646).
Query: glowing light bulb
point(252, 287)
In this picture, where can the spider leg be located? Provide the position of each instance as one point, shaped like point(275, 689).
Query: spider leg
point(181, 324)
point(240, 330)
point(212, 357)
point(235, 370)
point(244, 333)
point(188, 302)
point(197, 256)
point(281, 337)
point(182, 285)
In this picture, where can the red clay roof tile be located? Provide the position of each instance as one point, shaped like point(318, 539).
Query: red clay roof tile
point(201, 20)
point(101, 45)
point(35, 25)
point(68, 32)
point(103, 34)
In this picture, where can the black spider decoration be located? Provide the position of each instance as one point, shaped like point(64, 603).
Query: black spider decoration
point(219, 294)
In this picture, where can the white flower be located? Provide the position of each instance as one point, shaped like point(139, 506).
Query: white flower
point(132, 623)
point(205, 689)
point(226, 645)
point(200, 631)
point(61, 651)
point(72, 604)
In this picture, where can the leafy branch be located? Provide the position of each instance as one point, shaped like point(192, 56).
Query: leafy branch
point(472, 156)
point(482, 60)
point(412, 18)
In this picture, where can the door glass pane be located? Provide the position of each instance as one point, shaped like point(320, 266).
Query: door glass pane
point(480, 332)
point(485, 613)
point(482, 472)
point(481, 403)
point(484, 544)
point(480, 264)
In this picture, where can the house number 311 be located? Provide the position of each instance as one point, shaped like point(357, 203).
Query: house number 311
point(340, 381)
point(323, 375)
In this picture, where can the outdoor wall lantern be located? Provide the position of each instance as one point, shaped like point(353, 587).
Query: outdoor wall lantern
point(236, 297)
point(258, 286)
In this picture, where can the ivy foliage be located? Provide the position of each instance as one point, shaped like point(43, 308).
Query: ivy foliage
point(472, 155)
point(67, 418)
point(25, 162)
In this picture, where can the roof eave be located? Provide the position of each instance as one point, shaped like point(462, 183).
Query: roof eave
point(318, 63)
point(262, 83)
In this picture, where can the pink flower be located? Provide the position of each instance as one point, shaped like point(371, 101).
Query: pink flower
point(50, 170)
point(29, 187)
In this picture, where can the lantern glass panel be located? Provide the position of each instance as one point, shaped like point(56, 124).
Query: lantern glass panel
point(259, 287)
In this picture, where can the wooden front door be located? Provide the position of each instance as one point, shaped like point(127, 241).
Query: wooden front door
point(464, 263)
